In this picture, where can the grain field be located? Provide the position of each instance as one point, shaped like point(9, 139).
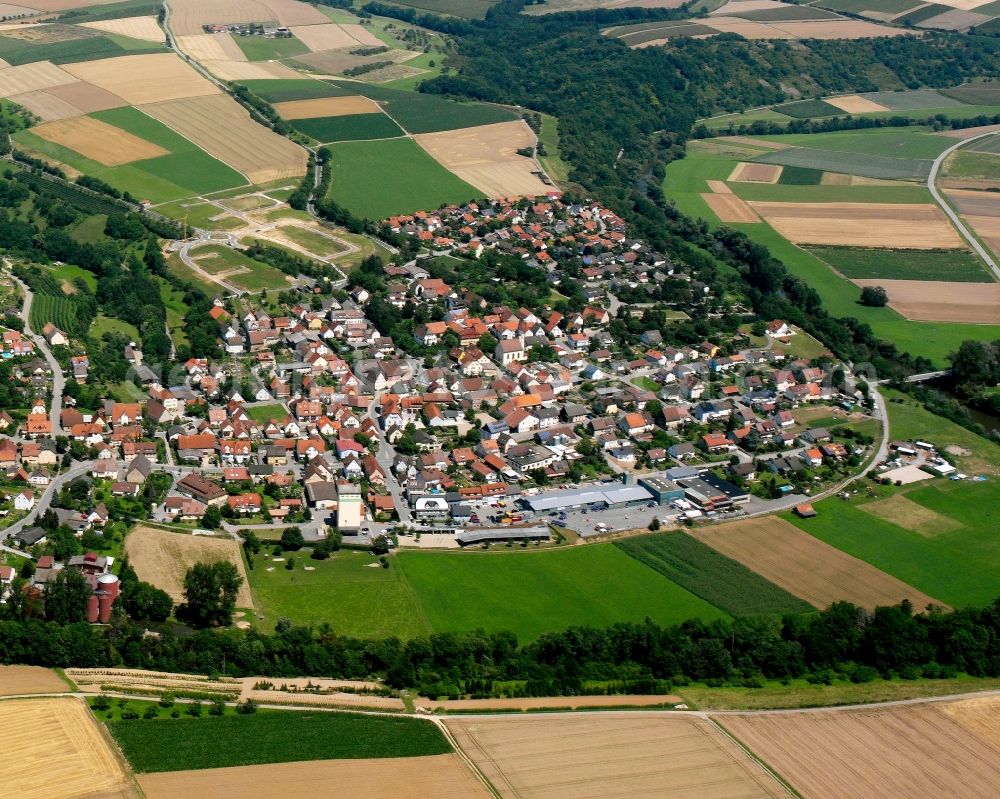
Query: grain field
point(327, 107)
point(31, 78)
point(144, 28)
point(853, 104)
point(15, 680)
point(211, 47)
point(98, 141)
point(941, 301)
point(142, 79)
point(729, 208)
point(47, 107)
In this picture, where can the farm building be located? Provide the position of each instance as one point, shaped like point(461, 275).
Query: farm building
point(614, 496)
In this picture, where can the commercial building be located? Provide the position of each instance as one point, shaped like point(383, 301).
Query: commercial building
point(350, 509)
point(609, 496)
point(664, 491)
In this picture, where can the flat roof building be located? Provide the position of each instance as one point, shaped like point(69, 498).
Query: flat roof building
point(611, 496)
point(664, 491)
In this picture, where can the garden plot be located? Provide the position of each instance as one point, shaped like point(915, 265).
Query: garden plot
point(327, 107)
point(805, 566)
point(162, 558)
point(223, 129)
point(211, 47)
point(612, 755)
point(486, 157)
point(941, 301)
point(895, 226)
point(54, 749)
point(142, 79)
point(99, 141)
point(32, 77)
point(144, 28)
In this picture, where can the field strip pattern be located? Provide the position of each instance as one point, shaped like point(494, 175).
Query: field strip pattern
point(586, 757)
point(805, 566)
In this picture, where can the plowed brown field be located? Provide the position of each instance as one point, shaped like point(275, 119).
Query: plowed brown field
point(975, 203)
point(908, 752)
point(745, 172)
point(805, 566)
point(435, 777)
point(162, 558)
point(53, 749)
point(46, 106)
point(617, 755)
point(87, 97)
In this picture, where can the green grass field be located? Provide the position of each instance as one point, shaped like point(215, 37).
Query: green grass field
point(315, 242)
point(350, 127)
point(552, 161)
point(910, 143)
point(90, 47)
point(127, 8)
point(107, 324)
point(968, 164)
point(173, 300)
point(275, 736)
point(911, 99)
point(265, 413)
point(804, 109)
point(217, 258)
point(381, 178)
point(957, 265)
point(800, 176)
point(900, 192)
point(850, 163)
point(347, 591)
point(975, 93)
point(715, 578)
point(200, 214)
point(71, 272)
point(257, 48)
point(287, 89)
point(534, 592)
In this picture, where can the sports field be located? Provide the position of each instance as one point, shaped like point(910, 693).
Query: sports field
point(380, 178)
point(533, 592)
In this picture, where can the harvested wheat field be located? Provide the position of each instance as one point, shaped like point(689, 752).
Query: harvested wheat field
point(294, 12)
point(853, 104)
point(730, 208)
point(975, 203)
point(551, 702)
point(324, 37)
point(31, 78)
point(327, 107)
point(15, 680)
point(47, 107)
point(144, 28)
point(188, 16)
point(836, 29)
point(719, 187)
point(249, 70)
point(98, 141)
point(65, 5)
point(434, 777)
point(223, 128)
point(619, 755)
point(807, 567)
point(54, 749)
point(940, 301)
point(162, 558)
point(745, 172)
point(486, 157)
point(980, 715)
point(8, 10)
point(87, 97)
point(211, 47)
point(904, 752)
point(900, 226)
point(144, 78)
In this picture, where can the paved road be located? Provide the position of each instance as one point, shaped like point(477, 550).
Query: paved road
point(384, 456)
point(932, 187)
point(78, 469)
point(58, 380)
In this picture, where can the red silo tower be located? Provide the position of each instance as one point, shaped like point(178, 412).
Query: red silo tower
point(107, 593)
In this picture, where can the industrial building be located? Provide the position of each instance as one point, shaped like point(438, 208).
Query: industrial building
point(664, 491)
point(600, 496)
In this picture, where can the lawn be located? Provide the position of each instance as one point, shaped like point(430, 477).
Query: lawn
point(179, 268)
point(719, 580)
point(350, 127)
point(968, 164)
point(258, 48)
point(350, 591)
point(272, 736)
point(217, 258)
point(265, 413)
point(778, 192)
point(853, 262)
point(107, 324)
point(647, 383)
point(534, 592)
point(381, 178)
point(70, 272)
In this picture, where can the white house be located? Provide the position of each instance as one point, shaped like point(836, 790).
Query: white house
point(24, 501)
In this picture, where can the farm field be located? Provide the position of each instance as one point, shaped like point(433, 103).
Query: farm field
point(257, 48)
point(351, 127)
point(294, 89)
point(271, 736)
point(55, 750)
point(349, 590)
point(668, 756)
point(938, 301)
point(401, 778)
point(382, 178)
point(901, 750)
point(16, 680)
point(188, 16)
point(953, 265)
point(534, 592)
point(140, 79)
point(804, 566)
point(66, 44)
point(719, 580)
point(162, 558)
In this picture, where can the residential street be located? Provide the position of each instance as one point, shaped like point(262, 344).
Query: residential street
point(58, 380)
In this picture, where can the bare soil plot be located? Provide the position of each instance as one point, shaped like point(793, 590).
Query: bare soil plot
point(15, 680)
point(853, 104)
point(32, 77)
point(486, 157)
point(745, 172)
point(327, 107)
point(249, 70)
point(45, 106)
point(719, 187)
point(144, 78)
point(975, 203)
point(910, 515)
point(87, 97)
point(885, 753)
point(913, 227)
point(549, 702)
point(188, 16)
point(162, 558)
point(211, 47)
point(98, 141)
point(805, 566)
point(439, 776)
point(144, 28)
point(54, 749)
point(730, 208)
point(325, 37)
point(619, 755)
point(131, 680)
point(223, 129)
point(940, 301)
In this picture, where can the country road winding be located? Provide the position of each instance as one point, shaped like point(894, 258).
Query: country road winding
point(966, 234)
point(58, 380)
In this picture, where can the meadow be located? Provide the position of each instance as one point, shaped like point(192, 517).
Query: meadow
point(470, 9)
point(250, 274)
point(534, 592)
point(854, 262)
point(381, 178)
point(257, 48)
point(288, 89)
point(912, 142)
point(88, 47)
point(351, 127)
point(271, 736)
